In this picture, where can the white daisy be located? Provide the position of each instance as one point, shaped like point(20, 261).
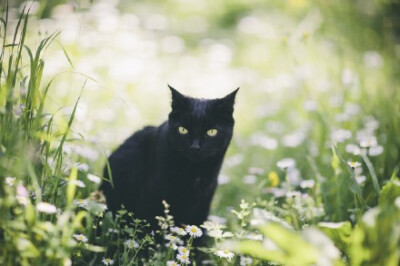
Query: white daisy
point(22, 194)
point(22, 200)
point(286, 163)
point(130, 243)
point(173, 241)
point(184, 251)
point(277, 192)
point(172, 263)
point(217, 219)
point(361, 179)
point(183, 258)
point(10, 181)
point(80, 238)
point(293, 194)
point(82, 167)
point(46, 207)
point(171, 238)
point(217, 233)
point(369, 141)
point(225, 254)
point(309, 183)
point(354, 164)
point(194, 231)
point(253, 236)
point(107, 261)
point(77, 183)
point(256, 171)
point(67, 262)
point(171, 245)
point(340, 135)
point(245, 261)
point(375, 151)
point(178, 230)
point(94, 178)
point(81, 202)
point(114, 231)
point(353, 149)
point(397, 202)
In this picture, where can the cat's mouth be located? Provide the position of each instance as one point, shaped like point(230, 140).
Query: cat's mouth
point(196, 156)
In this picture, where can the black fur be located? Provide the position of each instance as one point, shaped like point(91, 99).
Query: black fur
point(159, 163)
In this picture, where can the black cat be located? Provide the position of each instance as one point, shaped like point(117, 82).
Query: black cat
point(178, 161)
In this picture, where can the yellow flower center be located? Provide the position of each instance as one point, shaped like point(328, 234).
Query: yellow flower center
point(273, 178)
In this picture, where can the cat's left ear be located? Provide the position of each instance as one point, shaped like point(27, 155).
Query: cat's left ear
point(178, 99)
point(228, 101)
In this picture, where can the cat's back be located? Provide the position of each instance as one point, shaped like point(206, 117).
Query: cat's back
point(128, 166)
point(135, 145)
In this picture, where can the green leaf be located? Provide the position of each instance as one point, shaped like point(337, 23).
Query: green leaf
point(30, 214)
point(288, 247)
point(297, 250)
point(357, 250)
point(257, 250)
point(335, 163)
point(340, 233)
point(78, 220)
point(372, 173)
point(339, 163)
point(390, 191)
point(94, 248)
point(26, 248)
point(71, 188)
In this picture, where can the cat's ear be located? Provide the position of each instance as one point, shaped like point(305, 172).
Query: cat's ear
point(228, 101)
point(178, 99)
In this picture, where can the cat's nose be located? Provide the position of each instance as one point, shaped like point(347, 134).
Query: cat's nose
point(195, 145)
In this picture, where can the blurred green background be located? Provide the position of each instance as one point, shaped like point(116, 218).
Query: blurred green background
point(313, 75)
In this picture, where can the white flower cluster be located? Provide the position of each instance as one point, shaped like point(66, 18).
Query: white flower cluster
point(225, 254)
point(81, 238)
point(194, 231)
point(130, 243)
point(175, 242)
point(107, 261)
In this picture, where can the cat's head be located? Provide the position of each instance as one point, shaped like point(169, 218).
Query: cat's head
point(201, 128)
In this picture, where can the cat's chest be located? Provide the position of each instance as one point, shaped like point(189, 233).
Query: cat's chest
point(191, 182)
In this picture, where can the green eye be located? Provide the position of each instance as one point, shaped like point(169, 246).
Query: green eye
point(182, 130)
point(212, 132)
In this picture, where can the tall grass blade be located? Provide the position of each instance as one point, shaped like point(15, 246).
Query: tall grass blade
point(372, 173)
point(58, 153)
point(67, 55)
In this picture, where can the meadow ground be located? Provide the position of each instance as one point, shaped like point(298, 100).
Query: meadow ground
point(310, 178)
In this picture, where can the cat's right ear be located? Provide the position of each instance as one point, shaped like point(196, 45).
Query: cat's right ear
point(178, 99)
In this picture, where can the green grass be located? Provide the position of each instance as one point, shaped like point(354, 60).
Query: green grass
point(312, 174)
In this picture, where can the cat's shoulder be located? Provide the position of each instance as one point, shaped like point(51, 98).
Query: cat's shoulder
point(150, 131)
point(139, 142)
point(147, 133)
point(141, 135)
